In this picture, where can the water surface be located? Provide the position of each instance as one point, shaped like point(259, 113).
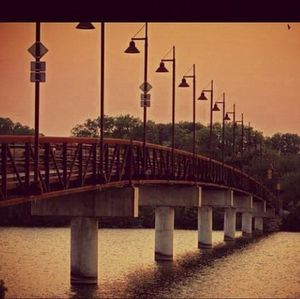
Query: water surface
point(35, 263)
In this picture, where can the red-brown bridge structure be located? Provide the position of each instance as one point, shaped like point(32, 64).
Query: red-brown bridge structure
point(72, 164)
point(78, 178)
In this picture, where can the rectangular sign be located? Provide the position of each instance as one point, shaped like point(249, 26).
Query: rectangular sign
point(145, 97)
point(37, 77)
point(145, 103)
point(145, 100)
point(38, 66)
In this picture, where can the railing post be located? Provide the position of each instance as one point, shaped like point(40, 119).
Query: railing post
point(4, 169)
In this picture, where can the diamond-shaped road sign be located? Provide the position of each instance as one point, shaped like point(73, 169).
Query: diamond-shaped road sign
point(37, 50)
point(147, 85)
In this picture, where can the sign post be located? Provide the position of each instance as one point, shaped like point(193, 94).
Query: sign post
point(37, 75)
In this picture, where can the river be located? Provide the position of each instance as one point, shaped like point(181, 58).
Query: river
point(35, 263)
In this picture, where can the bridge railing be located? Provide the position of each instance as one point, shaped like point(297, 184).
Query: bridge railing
point(66, 163)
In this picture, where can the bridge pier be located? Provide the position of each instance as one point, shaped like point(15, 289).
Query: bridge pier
point(165, 199)
point(164, 230)
point(246, 224)
point(84, 250)
point(205, 227)
point(258, 225)
point(84, 209)
point(229, 224)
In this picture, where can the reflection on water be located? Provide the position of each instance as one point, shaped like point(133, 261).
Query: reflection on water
point(35, 263)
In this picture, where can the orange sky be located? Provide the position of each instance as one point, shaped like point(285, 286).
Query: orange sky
point(257, 65)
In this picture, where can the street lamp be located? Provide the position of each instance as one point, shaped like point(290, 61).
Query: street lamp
point(216, 108)
point(163, 69)
point(146, 86)
point(203, 97)
point(183, 83)
point(233, 129)
point(89, 26)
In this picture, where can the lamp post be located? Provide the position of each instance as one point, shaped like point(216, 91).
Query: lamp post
point(233, 129)
point(163, 69)
point(133, 50)
point(248, 138)
point(242, 138)
point(89, 26)
point(203, 97)
point(183, 83)
point(216, 108)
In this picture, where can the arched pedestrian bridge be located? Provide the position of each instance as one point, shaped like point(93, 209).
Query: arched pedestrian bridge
point(77, 179)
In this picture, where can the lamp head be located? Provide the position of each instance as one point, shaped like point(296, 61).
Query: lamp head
point(183, 83)
point(162, 68)
point(202, 97)
point(87, 26)
point(226, 117)
point(215, 108)
point(132, 49)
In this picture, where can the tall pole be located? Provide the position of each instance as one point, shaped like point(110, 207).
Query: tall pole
point(173, 110)
point(37, 111)
point(145, 95)
point(242, 142)
point(211, 120)
point(102, 100)
point(194, 117)
point(249, 140)
point(223, 130)
point(233, 133)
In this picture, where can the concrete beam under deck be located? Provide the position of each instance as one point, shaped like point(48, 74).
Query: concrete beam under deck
point(217, 198)
point(170, 196)
point(243, 203)
point(116, 202)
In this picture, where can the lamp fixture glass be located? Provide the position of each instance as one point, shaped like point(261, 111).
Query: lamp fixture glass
point(162, 68)
point(183, 83)
point(87, 26)
point(132, 49)
point(202, 97)
point(227, 117)
point(215, 108)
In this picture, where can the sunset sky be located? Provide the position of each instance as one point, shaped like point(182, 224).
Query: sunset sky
point(257, 65)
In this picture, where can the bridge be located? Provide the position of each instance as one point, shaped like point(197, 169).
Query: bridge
point(78, 180)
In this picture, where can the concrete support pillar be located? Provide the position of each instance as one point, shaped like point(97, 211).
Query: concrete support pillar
point(84, 250)
point(205, 227)
point(164, 229)
point(246, 224)
point(229, 224)
point(258, 224)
